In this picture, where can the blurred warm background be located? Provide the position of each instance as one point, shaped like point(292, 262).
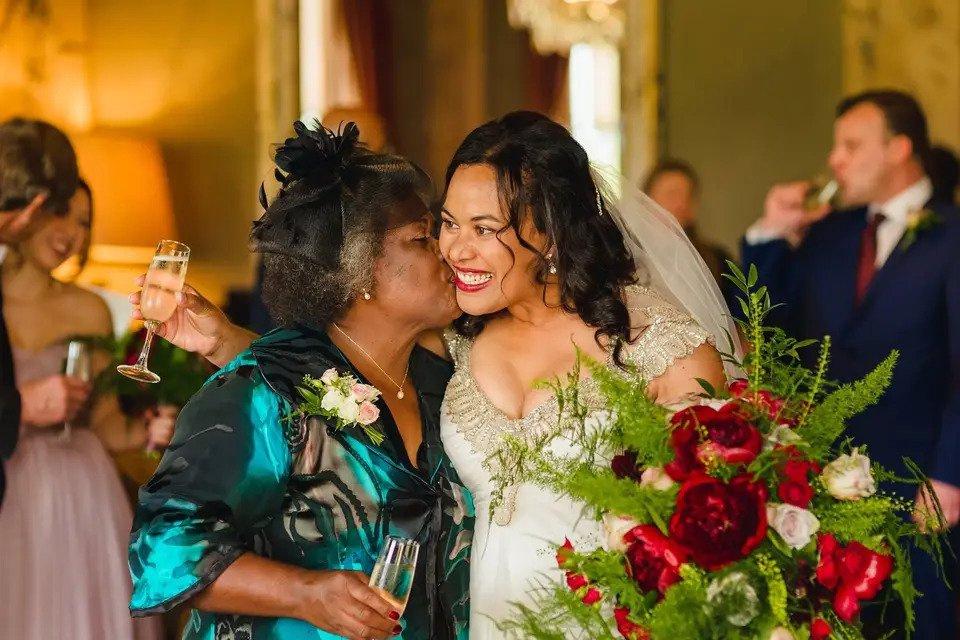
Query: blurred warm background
point(174, 104)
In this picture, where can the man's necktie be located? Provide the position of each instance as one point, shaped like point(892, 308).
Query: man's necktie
point(867, 263)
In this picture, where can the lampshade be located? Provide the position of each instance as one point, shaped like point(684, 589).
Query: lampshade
point(130, 191)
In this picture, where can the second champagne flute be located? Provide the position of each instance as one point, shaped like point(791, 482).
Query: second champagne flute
point(77, 366)
point(158, 301)
point(396, 567)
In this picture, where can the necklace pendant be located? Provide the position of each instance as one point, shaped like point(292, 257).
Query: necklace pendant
point(400, 395)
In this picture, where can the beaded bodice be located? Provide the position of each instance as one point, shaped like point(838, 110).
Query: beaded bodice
point(667, 335)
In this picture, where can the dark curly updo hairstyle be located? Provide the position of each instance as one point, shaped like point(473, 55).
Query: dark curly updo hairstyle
point(543, 175)
point(35, 158)
point(322, 234)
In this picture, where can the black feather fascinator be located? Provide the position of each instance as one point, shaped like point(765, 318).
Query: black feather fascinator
point(312, 168)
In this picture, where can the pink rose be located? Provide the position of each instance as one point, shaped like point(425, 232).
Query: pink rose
point(369, 413)
point(364, 392)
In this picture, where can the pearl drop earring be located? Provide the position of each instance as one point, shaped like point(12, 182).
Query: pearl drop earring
point(366, 295)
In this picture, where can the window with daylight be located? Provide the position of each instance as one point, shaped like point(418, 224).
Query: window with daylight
point(594, 84)
point(327, 76)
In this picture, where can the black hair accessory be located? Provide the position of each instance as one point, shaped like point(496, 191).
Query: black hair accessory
point(319, 155)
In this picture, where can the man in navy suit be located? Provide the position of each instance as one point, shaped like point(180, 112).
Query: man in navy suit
point(874, 281)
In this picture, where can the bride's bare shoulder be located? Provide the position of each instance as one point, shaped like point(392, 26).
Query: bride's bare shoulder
point(680, 379)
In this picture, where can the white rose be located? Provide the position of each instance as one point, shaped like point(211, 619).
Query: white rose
point(849, 477)
point(795, 525)
point(714, 403)
point(733, 597)
point(781, 633)
point(656, 477)
point(680, 405)
point(349, 410)
point(332, 400)
point(781, 434)
point(616, 527)
point(329, 376)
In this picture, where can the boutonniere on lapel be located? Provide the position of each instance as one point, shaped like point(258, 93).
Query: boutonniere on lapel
point(342, 399)
point(918, 222)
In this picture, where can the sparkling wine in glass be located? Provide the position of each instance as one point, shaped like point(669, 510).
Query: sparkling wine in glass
point(822, 190)
point(158, 301)
point(77, 366)
point(393, 573)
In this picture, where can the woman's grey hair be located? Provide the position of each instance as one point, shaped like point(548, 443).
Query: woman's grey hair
point(323, 233)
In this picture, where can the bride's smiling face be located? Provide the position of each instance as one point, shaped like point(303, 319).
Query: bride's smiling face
point(492, 269)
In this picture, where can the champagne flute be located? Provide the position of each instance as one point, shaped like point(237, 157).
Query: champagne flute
point(393, 573)
point(76, 366)
point(822, 191)
point(159, 300)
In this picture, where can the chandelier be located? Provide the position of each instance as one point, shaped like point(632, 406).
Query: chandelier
point(556, 25)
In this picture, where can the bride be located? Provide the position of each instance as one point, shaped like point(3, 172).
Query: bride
point(543, 262)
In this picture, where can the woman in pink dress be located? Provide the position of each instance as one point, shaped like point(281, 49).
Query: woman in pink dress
point(65, 520)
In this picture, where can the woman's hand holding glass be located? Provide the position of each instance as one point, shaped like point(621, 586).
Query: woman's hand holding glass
point(343, 603)
point(199, 326)
point(53, 400)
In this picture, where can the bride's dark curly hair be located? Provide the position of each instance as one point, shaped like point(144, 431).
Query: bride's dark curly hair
point(543, 175)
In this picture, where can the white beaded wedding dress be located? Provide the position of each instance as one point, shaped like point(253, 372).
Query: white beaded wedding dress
point(512, 546)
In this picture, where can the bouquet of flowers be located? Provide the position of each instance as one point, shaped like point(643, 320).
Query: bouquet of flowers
point(743, 514)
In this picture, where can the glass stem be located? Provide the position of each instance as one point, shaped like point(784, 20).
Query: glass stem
point(147, 341)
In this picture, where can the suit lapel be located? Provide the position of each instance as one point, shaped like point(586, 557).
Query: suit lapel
point(892, 266)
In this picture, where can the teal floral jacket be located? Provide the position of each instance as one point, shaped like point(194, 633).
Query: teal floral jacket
point(238, 477)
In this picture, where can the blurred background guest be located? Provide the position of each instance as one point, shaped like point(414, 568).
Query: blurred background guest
point(38, 169)
point(64, 526)
point(944, 169)
point(876, 280)
point(675, 186)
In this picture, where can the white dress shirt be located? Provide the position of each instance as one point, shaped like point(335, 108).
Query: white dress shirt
point(897, 210)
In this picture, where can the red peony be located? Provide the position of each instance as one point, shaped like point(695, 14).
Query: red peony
point(628, 629)
point(563, 553)
point(719, 522)
point(763, 400)
point(855, 573)
point(796, 489)
point(576, 580)
point(702, 433)
point(653, 559)
point(592, 596)
point(624, 465)
point(820, 630)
